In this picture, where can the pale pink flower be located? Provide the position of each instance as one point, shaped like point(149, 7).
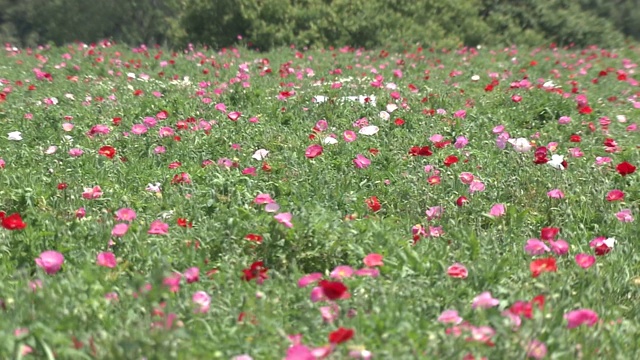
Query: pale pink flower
point(576, 152)
point(498, 129)
point(263, 199)
point(50, 261)
point(564, 120)
point(361, 162)
point(603, 160)
point(436, 231)
point(138, 129)
point(106, 259)
point(476, 186)
point(202, 300)
point(461, 142)
point(460, 114)
point(450, 317)
point(126, 214)
point(555, 194)
point(434, 212)
point(75, 152)
point(436, 138)
point(173, 282)
point(119, 230)
point(160, 150)
point(484, 301)
point(482, 333)
point(330, 313)
point(536, 350)
point(158, 227)
point(272, 207)
point(67, 127)
point(579, 317)
point(165, 131)
point(221, 107)
point(625, 215)
point(341, 272)
point(284, 219)
point(535, 247)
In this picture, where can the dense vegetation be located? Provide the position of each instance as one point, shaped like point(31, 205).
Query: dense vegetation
point(264, 24)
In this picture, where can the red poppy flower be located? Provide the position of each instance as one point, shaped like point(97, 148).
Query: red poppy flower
point(341, 335)
point(420, 151)
point(585, 110)
point(138, 92)
point(450, 160)
point(374, 151)
point(116, 121)
point(461, 201)
point(441, 144)
point(333, 290)
point(538, 300)
point(625, 168)
point(182, 222)
point(373, 204)
point(257, 270)
point(108, 151)
point(539, 266)
point(254, 238)
point(549, 233)
point(398, 122)
point(575, 138)
point(12, 222)
point(266, 167)
point(62, 186)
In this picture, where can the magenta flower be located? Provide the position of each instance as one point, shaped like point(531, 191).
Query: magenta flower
point(535, 247)
point(119, 230)
point(460, 114)
point(434, 212)
point(349, 136)
point(158, 227)
point(555, 194)
point(106, 259)
point(50, 261)
point(313, 151)
point(263, 199)
point(461, 142)
point(173, 282)
point(192, 274)
point(484, 301)
point(126, 214)
point(466, 178)
point(92, 193)
point(284, 219)
point(579, 317)
point(361, 162)
point(585, 261)
point(309, 279)
point(497, 210)
point(449, 317)
point(559, 247)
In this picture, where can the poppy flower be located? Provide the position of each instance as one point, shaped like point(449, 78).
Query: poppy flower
point(313, 151)
point(333, 290)
point(420, 151)
point(341, 335)
point(450, 160)
point(257, 271)
point(539, 266)
point(12, 222)
point(182, 222)
point(373, 204)
point(625, 168)
point(107, 151)
point(254, 238)
point(549, 233)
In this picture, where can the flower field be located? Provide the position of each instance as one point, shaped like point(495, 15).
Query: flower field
point(326, 204)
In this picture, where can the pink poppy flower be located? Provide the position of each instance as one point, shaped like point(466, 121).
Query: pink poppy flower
point(158, 227)
point(497, 210)
point(192, 274)
point(126, 214)
point(466, 178)
point(284, 219)
point(536, 350)
point(92, 193)
point(234, 115)
point(361, 162)
point(585, 261)
point(579, 317)
point(349, 136)
point(625, 215)
point(559, 247)
point(50, 261)
point(484, 301)
point(120, 230)
point(555, 194)
point(476, 186)
point(313, 151)
point(461, 142)
point(450, 317)
point(202, 300)
point(106, 259)
point(458, 271)
point(342, 271)
point(535, 247)
point(309, 279)
point(373, 260)
point(263, 199)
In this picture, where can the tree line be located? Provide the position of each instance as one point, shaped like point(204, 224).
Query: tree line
point(264, 24)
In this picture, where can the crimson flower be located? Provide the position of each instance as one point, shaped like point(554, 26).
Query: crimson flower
point(625, 168)
point(254, 238)
point(257, 271)
point(108, 151)
point(549, 233)
point(333, 290)
point(450, 160)
point(341, 335)
point(182, 222)
point(420, 151)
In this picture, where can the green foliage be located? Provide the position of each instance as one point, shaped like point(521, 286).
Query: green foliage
point(265, 24)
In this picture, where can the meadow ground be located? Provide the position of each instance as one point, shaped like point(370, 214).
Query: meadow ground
point(324, 204)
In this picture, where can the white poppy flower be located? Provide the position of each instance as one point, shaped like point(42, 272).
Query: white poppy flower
point(369, 130)
point(15, 136)
point(260, 154)
point(521, 145)
point(556, 161)
point(329, 140)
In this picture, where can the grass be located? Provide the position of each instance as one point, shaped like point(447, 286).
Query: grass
point(66, 315)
